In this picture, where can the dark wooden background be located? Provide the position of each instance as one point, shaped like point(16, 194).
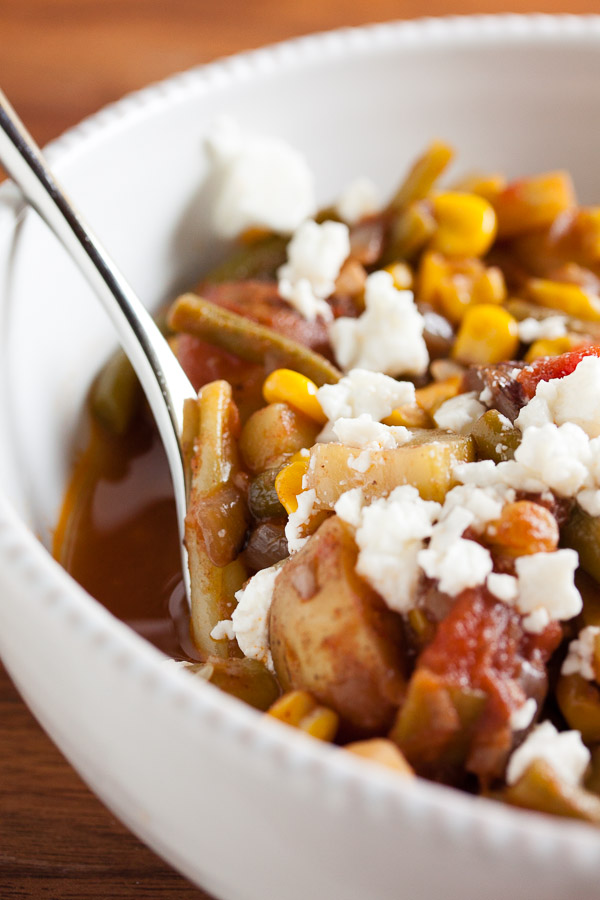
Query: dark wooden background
point(59, 61)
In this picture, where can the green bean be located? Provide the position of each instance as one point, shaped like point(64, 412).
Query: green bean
point(494, 438)
point(116, 393)
point(262, 496)
point(248, 340)
point(410, 231)
point(423, 175)
point(246, 679)
point(258, 260)
point(582, 533)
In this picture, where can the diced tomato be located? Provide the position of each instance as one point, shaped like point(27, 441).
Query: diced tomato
point(482, 642)
point(549, 367)
point(203, 362)
point(481, 646)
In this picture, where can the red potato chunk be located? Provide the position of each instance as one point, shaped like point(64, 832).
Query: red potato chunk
point(333, 636)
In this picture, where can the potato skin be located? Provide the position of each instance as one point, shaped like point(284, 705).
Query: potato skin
point(332, 635)
point(273, 433)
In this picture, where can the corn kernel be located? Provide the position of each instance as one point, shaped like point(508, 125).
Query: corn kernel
point(451, 286)
point(570, 299)
point(489, 287)
point(287, 386)
point(549, 347)
point(454, 298)
point(487, 186)
point(302, 455)
point(533, 202)
point(411, 416)
point(579, 241)
point(382, 751)
point(321, 723)
point(432, 273)
point(402, 274)
point(431, 397)
point(292, 707)
point(288, 484)
point(466, 224)
point(488, 334)
point(301, 710)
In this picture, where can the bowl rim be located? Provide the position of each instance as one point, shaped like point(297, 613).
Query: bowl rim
point(489, 825)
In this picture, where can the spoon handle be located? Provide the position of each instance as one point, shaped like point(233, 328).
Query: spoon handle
point(164, 382)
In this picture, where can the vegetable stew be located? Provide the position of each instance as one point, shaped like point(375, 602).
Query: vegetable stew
point(393, 525)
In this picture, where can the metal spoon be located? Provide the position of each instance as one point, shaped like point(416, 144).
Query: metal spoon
point(165, 384)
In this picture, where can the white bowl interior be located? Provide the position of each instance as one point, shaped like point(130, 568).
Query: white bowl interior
point(510, 97)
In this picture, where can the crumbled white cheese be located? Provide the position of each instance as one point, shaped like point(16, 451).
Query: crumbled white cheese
point(537, 621)
point(504, 587)
point(547, 588)
point(560, 448)
point(580, 659)
point(387, 337)
point(349, 506)
point(484, 474)
point(521, 718)
point(297, 520)
point(486, 396)
point(555, 457)
point(484, 504)
point(456, 562)
point(390, 535)
point(223, 631)
point(261, 182)
point(564, 752)
point(542, 329)
point(572, 399)
point(504, 422)
point(358, 199)
point(364, 392)
point(250, 618)
point(360, 463)
point(365, 433)
point(315, 256)
point(589, 500)
point(459, 413)
point(559, 458)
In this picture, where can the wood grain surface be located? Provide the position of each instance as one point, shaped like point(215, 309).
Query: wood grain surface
point(59, 61)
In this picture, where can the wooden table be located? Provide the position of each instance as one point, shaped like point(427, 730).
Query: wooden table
point(59, 61)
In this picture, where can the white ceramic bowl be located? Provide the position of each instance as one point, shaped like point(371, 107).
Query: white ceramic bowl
point(246, 807)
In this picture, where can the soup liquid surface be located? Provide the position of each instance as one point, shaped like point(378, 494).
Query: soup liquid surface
point(118, 535)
